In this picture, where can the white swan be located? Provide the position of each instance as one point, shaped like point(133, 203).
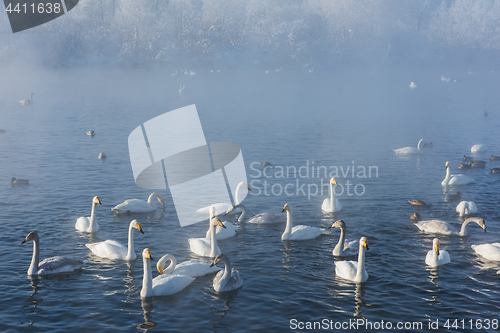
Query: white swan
point(206, 247)
point(466, 208)
point(331, 204)
point(476, 149)
point(410, 150)
point(354, 270)
point(220, 208)
point(441, 227)
point(299, 232)
point(89, 224)
point(266, 218)
point(114, 250)
point(52, 265)
point(437, 257)
point(226, 231)
point(455, 179)
point(139, 206)
point(229, 278)
point(190, 268)
point(343, 249)
point(27, 101)
point(162, 285)
point(488, 251)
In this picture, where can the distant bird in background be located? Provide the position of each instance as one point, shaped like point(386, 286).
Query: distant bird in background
point(27, 101)
point(445, 79)
point(91, 133)
point(412, 85)
point(102, 156)
point(181, 89)
point(485, 114)
point(15, 181)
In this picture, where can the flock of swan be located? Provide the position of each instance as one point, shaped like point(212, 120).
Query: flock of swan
point(177, 276)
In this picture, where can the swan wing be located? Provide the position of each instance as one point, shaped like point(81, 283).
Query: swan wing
point(346, 269)
point(82, 224)
point(58, 265)
point(110, 249)
point(133, 206)
point(326, 206)
point(407, 151)
point(304, 232)
point(460, 180)
point(267, 218)
point(201, 246)
point(165, 285)
point(194, 268)
point(436, 227)
point(430, 260)
point(488, 251)
point(444, 257)
point(351, 247)
point(223, 233)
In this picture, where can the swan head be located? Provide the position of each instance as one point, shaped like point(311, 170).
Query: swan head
point(333, 181)
point(479, 221)
point(447, 165)
point(146, 254)
point(363, 242)
point(221, 257)
point(31, 236)
point(136, 225)
point(216, 222)
point(435, 245)
point(287, 207)
point(161, 200)
point(338, 224)
point(160, 265)
point(244, 185)
point(96, 200)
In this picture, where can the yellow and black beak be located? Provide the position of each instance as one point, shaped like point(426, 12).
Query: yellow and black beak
point(284, 208)
point(365, 244)
point(213, 264)
point(221, 224)
point(437, 249)
point(160, 270)
point(248, 188)
point(99, 201)
point(139, 228)
point(335, 181)
point(149, 256)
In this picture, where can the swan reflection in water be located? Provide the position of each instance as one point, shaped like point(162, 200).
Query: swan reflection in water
point(220, 307)
point(30, 307)
point(147, 308)
point(360, 292)
point(433, 279)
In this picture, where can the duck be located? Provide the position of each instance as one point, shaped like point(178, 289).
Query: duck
point(299, 232)
point(415, 217)
point(455, 197)
point(466, 208)
point(441, 227)
point(207, 247)
point(190, 268)
point(227, 279)
point(139, 206)
point(455, 179)
point(467, 158)
point(410, 150)
point(417, 203)
point(465, 166)
point(332, 204)
point(489, 251)
point(476, 149)
point(354, 270)
point(15, 181)
point(91, 133)
point(478, 164)
point(267, 164)
point(102, 156)
point(115, 250)
point(51, 265)
point(89, 224)
point(162, 285)
point(437, 257)
point(343, 248)
point(494, 158)
point(495, 170)
point(427, 145)
point(27, 101)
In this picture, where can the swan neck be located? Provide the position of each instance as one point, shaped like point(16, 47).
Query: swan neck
point(462, 211)
point(171, 267)
point(131, 250)
point(92, 217)
point(213, 241)
point(447, 178)
point(361, 262)
point(289, 223)
point(147, 280)
point(227, 273)
point(237, 194)
point(243, 212)
point(332, 197)
point(419, 146)
point(463, 230)
point(151, 200)
point(35, 259)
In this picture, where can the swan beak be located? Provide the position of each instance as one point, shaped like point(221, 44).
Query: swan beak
point(220, 224)
point(437, 249)
point(139, 228)
point(25, 240)
point(160, 271)
point(248, 188)
point(213, 264)
point(99, 201)
point(227, 212)
point(335, 181)
point(365, 244)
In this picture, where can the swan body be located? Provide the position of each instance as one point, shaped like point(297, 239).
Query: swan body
point(410, 150)
point(220, 208)
point(354, 270)
point(115, 250)
point(206, 247)
point(478, 149)
point(229, 230)
point(343, 248)
point(441, 227)
point(466, 208)
point(27, 101)
point(229, 278)
point(332, 204)
point(266, 218)
point(190, 268)
point(89, 224)
point(455, 179)
point(15, 181)
point(437, 257)
point(488, 251)
point(162, 285)
point(299, 232)
point(48, 266)
point(139, 206)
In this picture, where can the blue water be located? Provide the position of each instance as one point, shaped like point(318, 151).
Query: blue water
point(289, 118)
